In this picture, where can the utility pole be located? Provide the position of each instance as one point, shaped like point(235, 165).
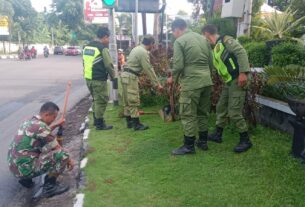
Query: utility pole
point(52, 36)
point(136, 39)
point(114, 54)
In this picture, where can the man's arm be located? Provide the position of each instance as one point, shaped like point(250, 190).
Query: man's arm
point(148, 69)
point(242, 58)
point(108, 63)
point(178, 61)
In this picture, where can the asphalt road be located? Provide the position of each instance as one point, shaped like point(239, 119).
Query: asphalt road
point(24, 87)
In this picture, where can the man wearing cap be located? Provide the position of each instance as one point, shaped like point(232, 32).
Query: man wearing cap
point(192, 64)
point(97, 66)
point(138, 62)
point(231, 63)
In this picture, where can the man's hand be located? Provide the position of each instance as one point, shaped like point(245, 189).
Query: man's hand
point(60, 121)
point(170, 80)
point(70, 164)
point(160, 88)
point(242, 79)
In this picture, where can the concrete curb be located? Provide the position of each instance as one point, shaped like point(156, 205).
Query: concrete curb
point(86, 131)
point(4, 57)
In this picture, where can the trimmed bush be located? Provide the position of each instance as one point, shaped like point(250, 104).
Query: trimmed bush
point(244, 39)
point(288, 53)
point(257, 54)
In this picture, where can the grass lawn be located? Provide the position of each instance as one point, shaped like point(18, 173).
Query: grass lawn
point(135, 169)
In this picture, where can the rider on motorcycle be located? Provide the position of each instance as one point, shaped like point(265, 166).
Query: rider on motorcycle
point(33, 52)
point(46, 51)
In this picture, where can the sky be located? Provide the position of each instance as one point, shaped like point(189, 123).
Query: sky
point(172, 7)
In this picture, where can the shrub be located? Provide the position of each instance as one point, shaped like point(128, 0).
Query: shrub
point(284, 82)
point(257, 54)
point(244, 39)
point(288, 53)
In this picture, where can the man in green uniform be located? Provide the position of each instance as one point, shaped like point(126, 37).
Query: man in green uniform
point(192, 63)
point(35, 151)
point(231, 63)
point(97, 66)
point(138, 62)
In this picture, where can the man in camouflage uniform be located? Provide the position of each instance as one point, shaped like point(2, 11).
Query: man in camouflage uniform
point(35, 151)
point(231, 63)
point(192, 62)
point(97, 66)
point(138, 62)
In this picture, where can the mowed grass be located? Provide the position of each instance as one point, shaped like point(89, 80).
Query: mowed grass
point(135, 169)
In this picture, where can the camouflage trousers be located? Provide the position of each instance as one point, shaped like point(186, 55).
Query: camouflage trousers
point(99, 93)
point(194, 108)
point(130, 94)
point(53, 162)
point(230, 106)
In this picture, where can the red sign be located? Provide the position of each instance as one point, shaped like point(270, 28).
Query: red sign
point(94, 13)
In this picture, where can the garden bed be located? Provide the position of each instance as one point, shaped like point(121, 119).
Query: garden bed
point(274, 113)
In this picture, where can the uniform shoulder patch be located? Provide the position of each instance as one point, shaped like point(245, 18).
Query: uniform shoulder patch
point(228, 39)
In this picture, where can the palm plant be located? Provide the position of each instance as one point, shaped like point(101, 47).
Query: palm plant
point(278, 25)
point(286, 81)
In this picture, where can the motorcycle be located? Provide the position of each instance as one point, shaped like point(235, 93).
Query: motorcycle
point(46, 54)
point(33, 54)
point(27, 55)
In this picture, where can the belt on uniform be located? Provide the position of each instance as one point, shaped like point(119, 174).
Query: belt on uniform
point(128, 70)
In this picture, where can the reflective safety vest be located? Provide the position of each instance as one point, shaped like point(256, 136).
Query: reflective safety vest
point(225, 62)
point(93, 57)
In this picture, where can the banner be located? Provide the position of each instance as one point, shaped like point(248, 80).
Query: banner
point(4, 25)
point(94, 13)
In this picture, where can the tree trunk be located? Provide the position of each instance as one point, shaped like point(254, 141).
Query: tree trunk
point(156, 27)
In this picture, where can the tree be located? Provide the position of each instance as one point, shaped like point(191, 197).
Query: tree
point(69, 12)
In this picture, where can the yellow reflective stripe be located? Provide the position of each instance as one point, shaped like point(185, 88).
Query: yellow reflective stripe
point(219, 64)
point(232, 63)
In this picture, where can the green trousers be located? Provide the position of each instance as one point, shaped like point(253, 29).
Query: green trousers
point(194, 108)
point(130, 94)
point(230, 106)
point(99, 93)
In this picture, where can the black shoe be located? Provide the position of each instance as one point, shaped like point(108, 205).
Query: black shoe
point(26, 182)
point(187, 148)
point(244, 143)
point(50, 188)
point(101, 125)
point(216, 136)
point(202, 142)
point(129, 122)
point(137, 126)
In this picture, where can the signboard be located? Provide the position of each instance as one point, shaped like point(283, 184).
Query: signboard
point(4, 25)
point(94, 13)
point(145, 6)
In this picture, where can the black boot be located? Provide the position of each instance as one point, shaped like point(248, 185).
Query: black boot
point(129, 122)
point(50, 188)
point(187, 148)
point(94, 119)
point(101, 125)
point(26, 182)
point(137, 125)
point(216, 136)
point(202, 143)
point(244, 143)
